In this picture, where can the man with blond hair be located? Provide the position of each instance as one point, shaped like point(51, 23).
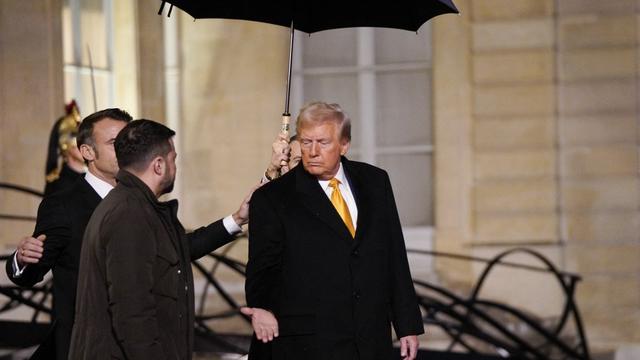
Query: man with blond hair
point(327, 259)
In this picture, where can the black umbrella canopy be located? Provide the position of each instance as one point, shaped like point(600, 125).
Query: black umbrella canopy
point(312, 16)
point(309, 16)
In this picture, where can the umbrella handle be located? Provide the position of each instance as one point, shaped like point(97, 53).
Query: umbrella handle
point(284, 129)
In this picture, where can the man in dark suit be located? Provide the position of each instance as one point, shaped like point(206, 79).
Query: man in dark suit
point(327, 256)
point(62, 219)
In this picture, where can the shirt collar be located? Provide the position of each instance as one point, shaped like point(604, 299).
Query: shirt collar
point(339, 175)
point(100, 186)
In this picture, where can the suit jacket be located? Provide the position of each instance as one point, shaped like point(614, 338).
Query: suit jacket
point(135, 289)
point(335, 297)
point(63, 217)
point(66, 179)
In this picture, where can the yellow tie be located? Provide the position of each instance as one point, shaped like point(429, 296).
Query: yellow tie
point(341, 206)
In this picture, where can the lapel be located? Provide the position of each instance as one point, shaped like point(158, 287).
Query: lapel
point(90, 195)
point(359, 188)
point(315, 200)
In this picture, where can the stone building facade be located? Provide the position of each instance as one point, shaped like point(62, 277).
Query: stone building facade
point(536, 111)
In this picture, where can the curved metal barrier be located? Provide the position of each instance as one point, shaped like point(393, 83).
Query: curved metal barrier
point(23, 190)
point(478, 325)
point(34, 301)
point(36, 298)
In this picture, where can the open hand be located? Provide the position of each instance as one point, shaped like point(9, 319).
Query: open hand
point(264, 323)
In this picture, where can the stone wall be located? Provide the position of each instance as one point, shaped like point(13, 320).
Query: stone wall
point(536, 128)
point(598, 101)
point(551, 137)
point(31, 99)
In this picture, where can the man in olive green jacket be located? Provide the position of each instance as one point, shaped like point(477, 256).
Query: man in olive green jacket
point(135, 288)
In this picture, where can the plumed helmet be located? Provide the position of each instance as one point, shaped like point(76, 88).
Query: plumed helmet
point(62, 138)
point(68, 127)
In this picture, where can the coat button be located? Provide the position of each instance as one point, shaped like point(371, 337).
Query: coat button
point(179, 271)
point(355, 253)
point(186, 288)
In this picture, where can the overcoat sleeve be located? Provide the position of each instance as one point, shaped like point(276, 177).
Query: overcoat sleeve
point(207, 239)
point(406, 316)
point(266, 235)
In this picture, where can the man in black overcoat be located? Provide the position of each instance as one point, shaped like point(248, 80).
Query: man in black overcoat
point(327, 257)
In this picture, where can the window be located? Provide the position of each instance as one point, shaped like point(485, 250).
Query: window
point(87, 27)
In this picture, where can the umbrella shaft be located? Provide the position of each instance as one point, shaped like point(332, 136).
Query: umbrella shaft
point(288, 95)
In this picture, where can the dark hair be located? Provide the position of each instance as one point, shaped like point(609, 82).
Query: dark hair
point(85, 131)
point(140, 142)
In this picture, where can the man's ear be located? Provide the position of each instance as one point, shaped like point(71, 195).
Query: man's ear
point(87, 152)
point(344, 147)
point(159, 165)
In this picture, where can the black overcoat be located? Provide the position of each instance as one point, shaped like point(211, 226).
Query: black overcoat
point(335, 297)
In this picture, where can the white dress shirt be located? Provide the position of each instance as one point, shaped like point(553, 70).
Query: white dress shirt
point(345, 190)
point(100, 186)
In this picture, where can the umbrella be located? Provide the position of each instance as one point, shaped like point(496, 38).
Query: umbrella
point(313, 16)
point(309, 16)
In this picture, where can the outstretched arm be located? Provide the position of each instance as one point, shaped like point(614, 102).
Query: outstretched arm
point(209, 238)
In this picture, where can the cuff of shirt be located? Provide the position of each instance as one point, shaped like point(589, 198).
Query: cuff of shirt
point(17, 271)
point(231, 226)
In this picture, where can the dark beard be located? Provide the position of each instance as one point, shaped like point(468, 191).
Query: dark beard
point(167, 185)
point(169, 188)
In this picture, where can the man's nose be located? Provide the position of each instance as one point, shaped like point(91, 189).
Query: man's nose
point(314, 149)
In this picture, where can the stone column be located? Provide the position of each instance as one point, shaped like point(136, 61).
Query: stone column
point(453, 142)
point(151, 69)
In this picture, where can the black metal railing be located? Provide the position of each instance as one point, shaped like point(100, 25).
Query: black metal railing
point(482, 326)
point(22, 190)
point(35, 301)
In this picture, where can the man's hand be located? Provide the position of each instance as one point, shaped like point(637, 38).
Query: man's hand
point(241, 216)
point(409, 347)
point(263, 322)
point(279, 157)
point(30, 250)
